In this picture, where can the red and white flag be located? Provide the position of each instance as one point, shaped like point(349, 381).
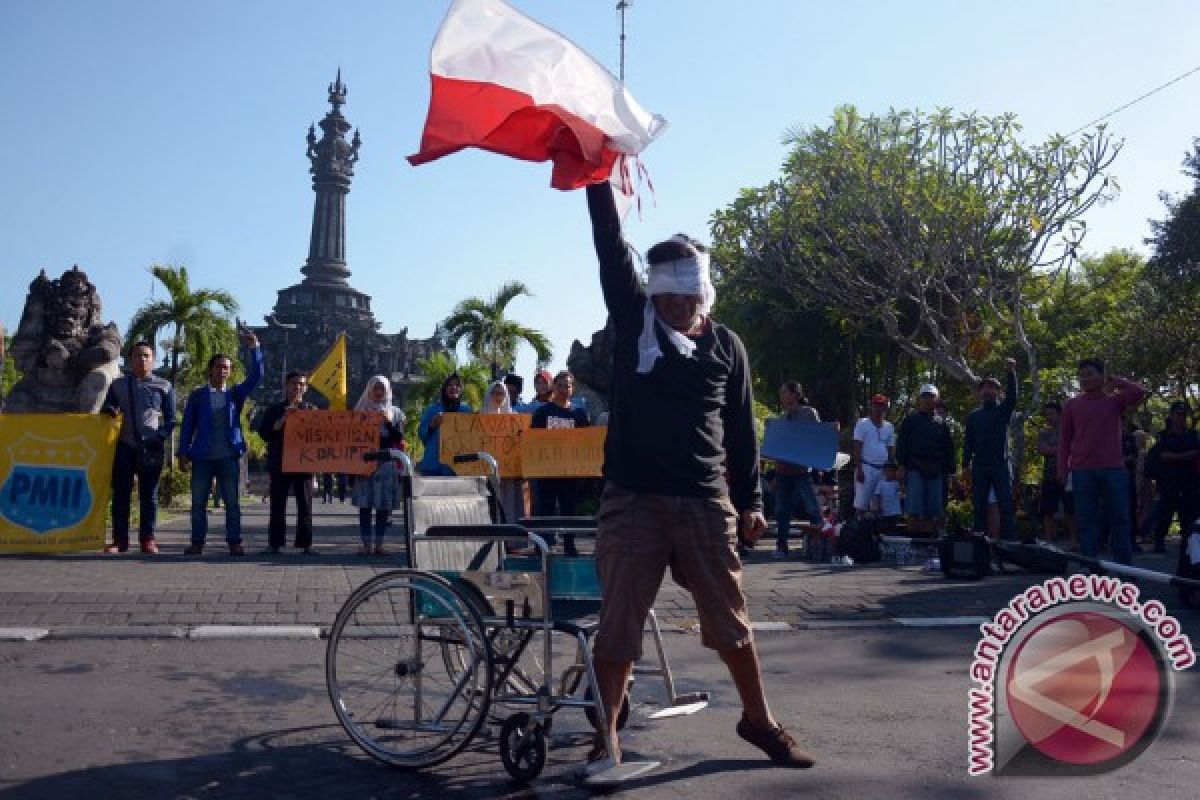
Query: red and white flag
point(503, 82)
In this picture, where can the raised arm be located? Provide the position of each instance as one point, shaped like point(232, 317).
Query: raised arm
point(1129, 394)
point(618, 278)
point(1010, 390)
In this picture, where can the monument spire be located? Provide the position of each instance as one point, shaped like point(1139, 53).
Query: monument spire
point(332, 161)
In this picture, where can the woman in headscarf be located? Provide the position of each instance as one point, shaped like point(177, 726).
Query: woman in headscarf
point(449, 402)
point(380, 491)
point(512, 490)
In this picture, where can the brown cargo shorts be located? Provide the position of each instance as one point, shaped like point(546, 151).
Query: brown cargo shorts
point(638, 536)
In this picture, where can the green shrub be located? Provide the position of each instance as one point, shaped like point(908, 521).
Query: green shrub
point(173, 485)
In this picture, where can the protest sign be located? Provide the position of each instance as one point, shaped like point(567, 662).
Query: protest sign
point(800, 442)
point(55, 476)
point(496, 434)
point(563, 452)
point(330, 441)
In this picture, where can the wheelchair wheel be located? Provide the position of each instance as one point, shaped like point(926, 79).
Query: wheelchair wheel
point(523, 747)
point(388, 675)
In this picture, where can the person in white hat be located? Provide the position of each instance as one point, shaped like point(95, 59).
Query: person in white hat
point(925, 451)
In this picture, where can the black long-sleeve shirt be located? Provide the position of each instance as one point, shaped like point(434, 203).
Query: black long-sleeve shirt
point(682, 427)
point(986, 440)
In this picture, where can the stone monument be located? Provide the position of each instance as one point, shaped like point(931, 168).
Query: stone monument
point(65, 351)
point(308, 316)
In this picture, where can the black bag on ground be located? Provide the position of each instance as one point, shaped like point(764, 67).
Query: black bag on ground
point(859, 539)
point(965, 555)
point(1031, 558)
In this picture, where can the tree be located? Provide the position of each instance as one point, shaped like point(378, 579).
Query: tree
point(1176, 239)
point(926, 229)
point(9, 375)
point(491, 337)
point(197, 320)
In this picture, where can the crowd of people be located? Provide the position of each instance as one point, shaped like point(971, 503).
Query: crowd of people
point(1100, 474)
point(212, 446)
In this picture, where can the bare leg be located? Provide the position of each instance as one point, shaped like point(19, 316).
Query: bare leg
point(613, 677)
point(747, 677)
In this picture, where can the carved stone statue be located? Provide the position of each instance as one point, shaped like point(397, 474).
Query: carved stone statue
point(67, 355)
point(592, 367)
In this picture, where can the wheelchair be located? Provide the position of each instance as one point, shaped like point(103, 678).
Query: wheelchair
point(420, 659)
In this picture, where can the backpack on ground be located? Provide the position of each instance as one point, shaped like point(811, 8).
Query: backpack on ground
point(1031, 558)
point(859, 539)
point(965, 555)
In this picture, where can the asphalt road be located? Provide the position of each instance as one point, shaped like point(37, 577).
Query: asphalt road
point(884, 709)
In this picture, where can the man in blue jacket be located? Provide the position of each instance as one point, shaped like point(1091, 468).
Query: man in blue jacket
point(211, 443)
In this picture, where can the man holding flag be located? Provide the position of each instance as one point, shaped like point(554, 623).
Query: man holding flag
point(502, 82)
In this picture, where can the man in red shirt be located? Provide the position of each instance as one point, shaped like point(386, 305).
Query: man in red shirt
point(1090, 452)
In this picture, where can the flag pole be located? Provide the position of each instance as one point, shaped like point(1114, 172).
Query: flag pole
point(621, 6)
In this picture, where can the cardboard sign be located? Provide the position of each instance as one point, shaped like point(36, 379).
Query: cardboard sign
point(330, 441)
point(55, 475)
point(496, 434)
point(803, 443)
point(563, 453)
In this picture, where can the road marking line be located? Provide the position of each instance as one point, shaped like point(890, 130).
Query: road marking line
point(940, 622)
point(22, 634)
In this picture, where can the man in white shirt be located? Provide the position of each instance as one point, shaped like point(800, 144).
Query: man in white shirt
point(874, 446)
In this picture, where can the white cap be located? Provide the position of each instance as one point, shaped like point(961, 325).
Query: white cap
point(929, 388)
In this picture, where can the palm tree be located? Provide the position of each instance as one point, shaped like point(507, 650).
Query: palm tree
point(491, 337)
point(196, 319)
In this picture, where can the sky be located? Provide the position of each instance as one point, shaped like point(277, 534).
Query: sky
point(162, 131)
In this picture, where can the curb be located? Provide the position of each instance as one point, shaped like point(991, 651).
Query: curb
point(254, 632)
point(309, 632)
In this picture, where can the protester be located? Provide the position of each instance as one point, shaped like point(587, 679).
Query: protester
point(887, 497)
point(925, 451)
point(793, 488)
point(1089, 451)
point(1130, 457)
point(429, 430)
point(379, 491)
point(211, 444)
point(1178, 480)
point(557, 497)
point(1053, 494)
point(682, 382)
point(514, 384)
point(146, 403)
point(543, 386)
point(280, 483)
point(985, 451)
point(941, 412)
point(874, 446)
point(498, 400)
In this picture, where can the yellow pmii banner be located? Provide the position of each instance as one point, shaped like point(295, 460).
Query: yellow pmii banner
point(55, 474)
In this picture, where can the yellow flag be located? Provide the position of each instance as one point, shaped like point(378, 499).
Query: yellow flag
point(329, 377)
